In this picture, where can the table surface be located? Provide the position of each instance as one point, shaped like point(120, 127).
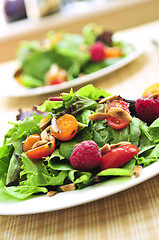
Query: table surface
point(130, 214)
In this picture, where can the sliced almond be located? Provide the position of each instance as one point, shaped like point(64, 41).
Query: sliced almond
point(110, 98)
point(98, 116)
point(106, 148)
point(39, 143)
point(64, 94)
point(68, 187)
point(50, 138)
point(44, 135)
point(137, 170)
point(106, 108)
point(119, 114)
point(154, 95)
point(47, 136)
point(51, 193)
point(54, 125)
point(120, 144)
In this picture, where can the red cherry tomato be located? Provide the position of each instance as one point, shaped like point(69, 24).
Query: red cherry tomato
point(119, 104)
point(117, 123)
point(116, 157)
point(57, 81)
point(42, 151)
point(114, 122)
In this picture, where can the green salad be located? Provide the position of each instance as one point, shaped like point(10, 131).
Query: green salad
point(63, 56)
point(74, 141)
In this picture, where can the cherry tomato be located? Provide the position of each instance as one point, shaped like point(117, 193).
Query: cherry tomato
point(67, 127)
point(112, 52)
point(116, 157)
point(29, 142)
point(42, 151)
point(114, 122)
point(117, 123)
point(154, 88)
point(57, 81)
point(119, 104)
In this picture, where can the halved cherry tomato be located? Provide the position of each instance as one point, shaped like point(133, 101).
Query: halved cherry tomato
point(67, 127)
point(118, 156)
point(114, 122)
point(42, 151)
point(117, 123)
point(112, 52)
point(57, 81)
point(154, 88)
point(29, 142)
point(119, 104)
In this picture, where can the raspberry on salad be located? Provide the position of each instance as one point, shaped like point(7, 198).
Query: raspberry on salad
point(97, 51)
point(86, 156)
point(147, 109)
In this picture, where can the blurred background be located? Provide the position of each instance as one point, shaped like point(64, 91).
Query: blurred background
point(31, 19)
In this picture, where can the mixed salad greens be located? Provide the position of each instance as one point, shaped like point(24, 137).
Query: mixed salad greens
point(26, 170)
point(63, 56)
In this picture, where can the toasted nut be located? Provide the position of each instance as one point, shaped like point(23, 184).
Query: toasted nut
point(110, 98)
point(106, 148)
point(137, 170)
point(45, 122)
point(44, 135)
point(39, 143)
point(50, 138)
point(68, 187)
point(54, 125)
point(99, 116)
point(154, 96)
point(120, 144)
point(64, 94)
point(106, 108)
point(119, 113)
point(51, 193)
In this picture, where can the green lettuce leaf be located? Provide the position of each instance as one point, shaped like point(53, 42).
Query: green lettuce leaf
point(5, 155)
point(21, 192)
point(16, 136)
point(91, 92)
point(125, 171)
point(38, 175)
point(154, 130)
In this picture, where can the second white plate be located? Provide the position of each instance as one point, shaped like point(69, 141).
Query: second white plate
point(10, 88)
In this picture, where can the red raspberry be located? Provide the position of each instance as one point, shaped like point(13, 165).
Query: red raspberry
point(147, 109)
point(86, 156)
point(97, 52)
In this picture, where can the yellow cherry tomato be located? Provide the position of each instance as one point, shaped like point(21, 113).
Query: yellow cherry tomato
point(154, 88)
point(67, 127)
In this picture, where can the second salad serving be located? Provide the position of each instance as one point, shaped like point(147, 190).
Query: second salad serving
point(63, 56)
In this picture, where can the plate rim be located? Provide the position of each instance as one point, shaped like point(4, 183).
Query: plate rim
point(30, 206)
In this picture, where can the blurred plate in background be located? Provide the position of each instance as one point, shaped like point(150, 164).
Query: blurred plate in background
point(10, 88)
